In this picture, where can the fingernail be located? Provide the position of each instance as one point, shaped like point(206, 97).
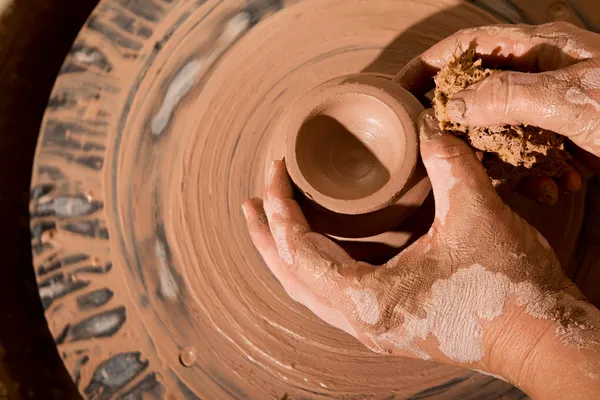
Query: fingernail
point(271, 172)
point(429, 126)
point(456, 109)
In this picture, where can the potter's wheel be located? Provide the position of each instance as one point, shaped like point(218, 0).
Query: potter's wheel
point(159, 126)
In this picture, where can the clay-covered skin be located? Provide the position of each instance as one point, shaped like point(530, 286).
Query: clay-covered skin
point(511, 152)
point(554, 85)
point(483, 289)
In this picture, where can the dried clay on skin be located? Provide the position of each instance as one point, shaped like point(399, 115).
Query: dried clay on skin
point(458, 305)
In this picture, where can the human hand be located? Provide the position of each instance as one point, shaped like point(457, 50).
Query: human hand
point(481, 289)
point(562, 95)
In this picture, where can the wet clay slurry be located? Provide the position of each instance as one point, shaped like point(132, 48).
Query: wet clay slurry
point(161, 123)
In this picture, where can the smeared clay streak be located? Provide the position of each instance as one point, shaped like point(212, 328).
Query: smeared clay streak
point(592, 375)
point(442, 202)
point(281, 237)
point(86, 58)
point(241, 350)
point(572, 48)
point(366, 305)
point(576, 96)
point(265, 355)
point(189, 75)
point(457, 305)
point(52, 290)
point(591, 79)
point(181, 85)
point(168, 285)
point(67, 206)
point(104, 324)
point(489, 374)
point(284, 329)
point(341, 321)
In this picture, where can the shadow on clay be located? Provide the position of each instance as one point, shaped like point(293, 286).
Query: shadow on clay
point(414, 227)
point(338, 163)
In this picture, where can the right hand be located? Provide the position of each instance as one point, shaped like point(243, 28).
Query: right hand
point(482, 289)
point(562, 95)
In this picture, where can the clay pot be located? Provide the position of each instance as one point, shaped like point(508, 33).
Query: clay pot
point(352, 148)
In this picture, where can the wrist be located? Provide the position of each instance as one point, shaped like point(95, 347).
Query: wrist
point(515, 340)
point(548, 358)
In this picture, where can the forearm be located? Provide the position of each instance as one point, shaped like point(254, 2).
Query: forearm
point(552, 359)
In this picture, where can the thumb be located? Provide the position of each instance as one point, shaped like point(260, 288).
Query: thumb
point(513, 98)
point(462, 188)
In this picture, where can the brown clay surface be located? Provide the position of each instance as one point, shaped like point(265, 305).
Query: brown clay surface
point(159, 126)
point(30, 367)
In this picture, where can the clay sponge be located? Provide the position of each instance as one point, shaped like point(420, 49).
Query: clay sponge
point(511, 152)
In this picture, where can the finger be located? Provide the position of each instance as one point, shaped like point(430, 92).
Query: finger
point(551, 100)
point(461, 186)
point(258, 226)
point(286, 219)
point(316, 260)
point(583, 170)
point(542, 189)
point(571, 181)
point(262, 239)
point(518, 47)
point(509, 97)
point(261, 236)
